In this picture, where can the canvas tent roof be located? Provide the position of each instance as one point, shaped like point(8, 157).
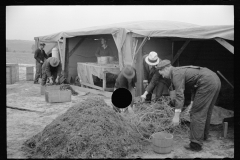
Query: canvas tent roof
point(151, 29)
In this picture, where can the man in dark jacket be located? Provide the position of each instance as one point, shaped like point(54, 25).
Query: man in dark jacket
point(206, 86)
point(104, 49)
point(51, 69)
point(152, 79)
point(126, 79)
point(40, 57)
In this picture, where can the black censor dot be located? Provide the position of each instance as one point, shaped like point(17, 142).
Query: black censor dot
point(121, 98)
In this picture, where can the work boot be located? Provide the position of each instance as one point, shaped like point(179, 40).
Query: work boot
point(193, 147)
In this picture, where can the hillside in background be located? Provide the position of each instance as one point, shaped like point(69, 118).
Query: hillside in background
point(19, 45)
point(25, 46)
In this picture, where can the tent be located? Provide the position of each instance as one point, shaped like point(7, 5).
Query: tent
point(131, 40)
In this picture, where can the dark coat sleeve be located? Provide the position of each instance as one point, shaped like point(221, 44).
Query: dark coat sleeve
point(36, 55)
point(178, 81)
point(154, 81)
point(110, 53)
point(145, 69)
point(134, 81)
point(45, 55)
point(59, 69)
point(48, 72)
point(97, 52)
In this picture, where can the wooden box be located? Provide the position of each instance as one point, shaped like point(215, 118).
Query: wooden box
point(49, 88)
point(29, 73)
point(54, 96)
point(12, 73)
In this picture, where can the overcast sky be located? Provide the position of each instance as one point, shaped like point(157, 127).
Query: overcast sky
point(27, 22)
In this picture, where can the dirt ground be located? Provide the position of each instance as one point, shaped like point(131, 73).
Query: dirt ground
point(21, 125)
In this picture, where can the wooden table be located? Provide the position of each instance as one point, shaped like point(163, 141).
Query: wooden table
point(86, 70)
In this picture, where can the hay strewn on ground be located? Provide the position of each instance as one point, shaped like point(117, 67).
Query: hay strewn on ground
point(157, 117)
point(91, 129)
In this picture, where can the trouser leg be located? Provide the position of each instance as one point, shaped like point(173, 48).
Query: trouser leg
point(54, 76)
point(201, 109)
point(161, 89)
point(44, 79)
point(209, 113)
point(38, 71)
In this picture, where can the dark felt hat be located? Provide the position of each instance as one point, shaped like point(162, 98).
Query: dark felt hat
point(162, 64)
point(128, 72)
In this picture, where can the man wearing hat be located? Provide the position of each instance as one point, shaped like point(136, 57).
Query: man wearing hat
point(51, 69)
point(40, 57)
point(151, 78)
point(206, 86)
point(126, 79)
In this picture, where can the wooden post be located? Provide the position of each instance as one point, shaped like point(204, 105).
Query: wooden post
point(104, 80)
point(140, 47)
point(139, 68)
point(225, 44)
point(225, 129)
point(180, 51)
point(66, 57)
point(76, 46)
point(172, 50)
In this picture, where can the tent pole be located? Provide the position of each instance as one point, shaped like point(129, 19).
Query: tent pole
point(76, 46)
point(180, 51)
point(60, 52)
point(225, 44)
point(143, 42)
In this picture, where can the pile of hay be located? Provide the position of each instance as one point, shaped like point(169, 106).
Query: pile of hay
point(89, 129)
point(157, 117)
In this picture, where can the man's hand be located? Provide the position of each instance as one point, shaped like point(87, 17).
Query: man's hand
point(143, 97)
point(51, 81)
point(145, 84)
point(188, 109)
point(57, 79)
point(41, 61)
point(175, 120)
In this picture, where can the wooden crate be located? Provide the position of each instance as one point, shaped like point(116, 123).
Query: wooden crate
point(29, 73)
point(49, 88)
point(56, 96)
point(12, 73)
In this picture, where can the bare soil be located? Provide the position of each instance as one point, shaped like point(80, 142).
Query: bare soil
point(22, 125)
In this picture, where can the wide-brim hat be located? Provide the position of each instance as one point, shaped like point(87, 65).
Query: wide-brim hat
point(54, 61)
point(152, 59)
point(42, 44)
point(128, 72)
